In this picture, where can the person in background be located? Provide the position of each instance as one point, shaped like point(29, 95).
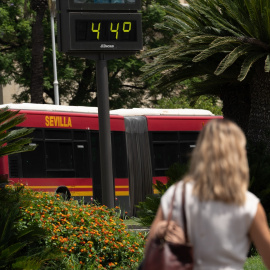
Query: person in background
point(223, 217)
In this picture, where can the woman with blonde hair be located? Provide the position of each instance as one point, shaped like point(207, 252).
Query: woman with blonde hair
point(223, 217)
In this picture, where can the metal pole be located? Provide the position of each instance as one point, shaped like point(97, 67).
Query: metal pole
point(104, 133)
point(55, 83)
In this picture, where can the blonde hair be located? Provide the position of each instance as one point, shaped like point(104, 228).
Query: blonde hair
point(219, 163)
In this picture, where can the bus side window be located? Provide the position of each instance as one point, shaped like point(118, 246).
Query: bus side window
point(171, 147)
point(187, 144)
point(29, 164)
point(165, 151)
point(81, 159)
point(119, 154)
point(14, 165)
point(81, 148)
point(58, 154)
point(165, 154)
point(33, 163)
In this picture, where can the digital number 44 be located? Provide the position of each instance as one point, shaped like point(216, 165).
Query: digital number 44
point(114, 28)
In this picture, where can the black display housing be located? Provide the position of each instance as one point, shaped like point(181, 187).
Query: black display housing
point(104, 5)
point(119, 27)
point(107, 39)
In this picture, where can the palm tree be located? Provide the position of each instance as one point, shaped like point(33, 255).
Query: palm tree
point(36, 85)
point(226, 43)
point(11, 140)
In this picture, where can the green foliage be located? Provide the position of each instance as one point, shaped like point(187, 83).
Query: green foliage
point(15, 36)
point(254, 263)
point(76, 76)
point(11, 141)
point(185, 101)
point(176, 172)
point(246, 27)
point(20, 247)
point(88, 236)
point(148, 209)
point(219, 37)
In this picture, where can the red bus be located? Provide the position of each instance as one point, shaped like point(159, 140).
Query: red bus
point(145, 143)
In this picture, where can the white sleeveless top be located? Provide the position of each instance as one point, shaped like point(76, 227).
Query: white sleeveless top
point(218, 231)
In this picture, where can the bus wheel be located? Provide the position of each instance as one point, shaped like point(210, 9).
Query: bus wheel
point(63, 192)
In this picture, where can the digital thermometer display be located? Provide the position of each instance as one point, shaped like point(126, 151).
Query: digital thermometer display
point(106, 30)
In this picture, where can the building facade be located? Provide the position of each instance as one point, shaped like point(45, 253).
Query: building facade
point(7, 91)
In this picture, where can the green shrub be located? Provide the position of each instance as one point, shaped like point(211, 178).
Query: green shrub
point(254, 263)
point(21, 247)
point(89, 236)
point(148, 208)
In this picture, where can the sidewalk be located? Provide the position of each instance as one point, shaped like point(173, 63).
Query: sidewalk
point(138, 228)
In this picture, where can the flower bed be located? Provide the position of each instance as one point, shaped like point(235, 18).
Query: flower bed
point(93, 235)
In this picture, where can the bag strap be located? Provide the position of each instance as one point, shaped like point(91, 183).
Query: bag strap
point(171, 206)
point(184, 216)
point(183, 210)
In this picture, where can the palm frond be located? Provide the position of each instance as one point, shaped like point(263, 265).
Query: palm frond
point(247, 64)
point(203, 39)
point(20, 246)
point(6, 114)
point(211, 10)
point(267, 63)
point(184, 14)
point(222, 47)
point(230, 58)
point(11, 122)
point(237, 12)
point(19, 146)
point(11, 141)
point(211, 38)
point(254, 11)
point(15, 134)
point(223, 40)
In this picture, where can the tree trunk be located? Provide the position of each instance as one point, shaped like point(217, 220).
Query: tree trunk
point(36, 84)
point(259, 121)
point(87, 83)
point(236, 104)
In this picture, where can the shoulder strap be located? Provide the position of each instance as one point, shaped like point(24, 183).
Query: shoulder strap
point(183, 210)
point(171, 206)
